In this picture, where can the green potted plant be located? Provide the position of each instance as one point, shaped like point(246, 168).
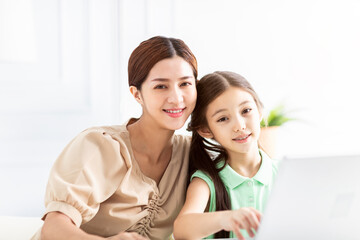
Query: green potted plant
point(269, 128)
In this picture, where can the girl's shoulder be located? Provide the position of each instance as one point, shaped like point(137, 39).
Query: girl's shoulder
point(202, 175)
point(273, 161)
point(207, 179)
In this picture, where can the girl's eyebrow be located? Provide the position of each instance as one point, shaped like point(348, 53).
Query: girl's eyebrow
point(166, 79)
point(218, 111)
point(223, 109)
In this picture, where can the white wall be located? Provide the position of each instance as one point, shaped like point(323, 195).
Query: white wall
point(73, 84)
point(303, 53)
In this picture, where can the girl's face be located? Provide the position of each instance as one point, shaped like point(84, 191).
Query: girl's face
point(168, 95)
point(234, 121)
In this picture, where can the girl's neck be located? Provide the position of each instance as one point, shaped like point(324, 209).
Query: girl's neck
point(245, 164)
point(149, 139)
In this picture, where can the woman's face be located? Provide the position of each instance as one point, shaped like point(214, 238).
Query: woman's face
point(168, 94)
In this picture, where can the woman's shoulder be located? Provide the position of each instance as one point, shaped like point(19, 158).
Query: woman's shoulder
point(111, 132)
point(182, 141)
point(106, 129)
point(181, 149)
point(183, 137)
point(105, 139)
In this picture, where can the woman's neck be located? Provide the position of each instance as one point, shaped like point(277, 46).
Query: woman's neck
point(245, 164)
point(148, 139)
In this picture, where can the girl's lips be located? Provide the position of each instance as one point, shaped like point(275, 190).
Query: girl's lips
point(242, 138)
point(175, 112)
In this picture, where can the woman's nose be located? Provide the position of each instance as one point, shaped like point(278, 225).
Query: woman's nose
point(176, 96)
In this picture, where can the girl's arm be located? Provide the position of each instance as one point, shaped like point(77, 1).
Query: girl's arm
point(59, 226)
point(193, 223)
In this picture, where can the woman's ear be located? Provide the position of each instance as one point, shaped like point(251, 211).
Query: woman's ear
point(205, 132)
point(136, 93)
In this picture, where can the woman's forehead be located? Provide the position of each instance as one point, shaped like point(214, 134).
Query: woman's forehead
point(170, 69)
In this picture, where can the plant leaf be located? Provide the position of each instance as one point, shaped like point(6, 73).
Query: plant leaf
point(276, 117)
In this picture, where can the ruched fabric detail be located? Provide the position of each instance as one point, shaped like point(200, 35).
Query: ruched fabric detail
point(145, 224)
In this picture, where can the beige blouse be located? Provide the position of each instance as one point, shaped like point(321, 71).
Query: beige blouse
point(98, 184)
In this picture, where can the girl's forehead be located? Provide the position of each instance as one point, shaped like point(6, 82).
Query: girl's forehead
point(233, 96)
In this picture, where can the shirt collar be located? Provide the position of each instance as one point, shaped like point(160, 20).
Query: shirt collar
point(264, 175)
point(232, 179)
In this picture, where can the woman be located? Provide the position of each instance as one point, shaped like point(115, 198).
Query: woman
point(128, 181)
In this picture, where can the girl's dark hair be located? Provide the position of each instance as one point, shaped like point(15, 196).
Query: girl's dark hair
point(153, 50)
point(204, 154)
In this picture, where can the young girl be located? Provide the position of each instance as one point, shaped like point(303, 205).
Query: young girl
point(234, 177)
point(129, 181)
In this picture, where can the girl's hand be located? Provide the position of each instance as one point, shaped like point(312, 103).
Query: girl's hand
point(243, 218)
point(127, 236)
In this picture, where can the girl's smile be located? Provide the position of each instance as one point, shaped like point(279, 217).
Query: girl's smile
point(242, 138)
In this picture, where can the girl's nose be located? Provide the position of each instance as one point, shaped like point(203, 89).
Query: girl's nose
point(239, 125)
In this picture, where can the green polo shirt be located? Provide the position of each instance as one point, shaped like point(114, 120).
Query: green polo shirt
point(243, 191)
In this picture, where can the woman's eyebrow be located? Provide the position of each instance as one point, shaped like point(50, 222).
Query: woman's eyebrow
point(167, 79)
point(160, 79)
point(186, 77)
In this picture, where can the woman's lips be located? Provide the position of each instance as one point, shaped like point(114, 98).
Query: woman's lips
point(175, 112)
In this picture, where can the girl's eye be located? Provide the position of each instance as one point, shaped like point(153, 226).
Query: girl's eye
point(185, 84)
point(223, 119)
point(247, 110)
point(160, 87)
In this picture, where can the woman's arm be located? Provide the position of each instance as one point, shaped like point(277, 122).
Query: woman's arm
point(59, 226)
point(193, 223)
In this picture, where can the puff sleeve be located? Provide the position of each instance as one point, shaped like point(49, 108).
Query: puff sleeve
point(87, 172)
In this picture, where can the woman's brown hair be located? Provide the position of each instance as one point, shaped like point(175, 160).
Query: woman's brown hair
point(204, 154)
point(153, 50)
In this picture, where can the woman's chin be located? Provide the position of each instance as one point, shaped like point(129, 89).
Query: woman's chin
point(174, 128)
point(176, 125)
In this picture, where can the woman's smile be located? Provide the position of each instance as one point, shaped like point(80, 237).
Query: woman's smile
point(174, 112)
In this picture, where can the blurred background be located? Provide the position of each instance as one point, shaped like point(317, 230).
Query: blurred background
point(63, 68)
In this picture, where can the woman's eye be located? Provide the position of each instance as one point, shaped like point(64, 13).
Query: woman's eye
point(160, 87)
point(185, 84)
point(222, 119)
point(247, 110)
